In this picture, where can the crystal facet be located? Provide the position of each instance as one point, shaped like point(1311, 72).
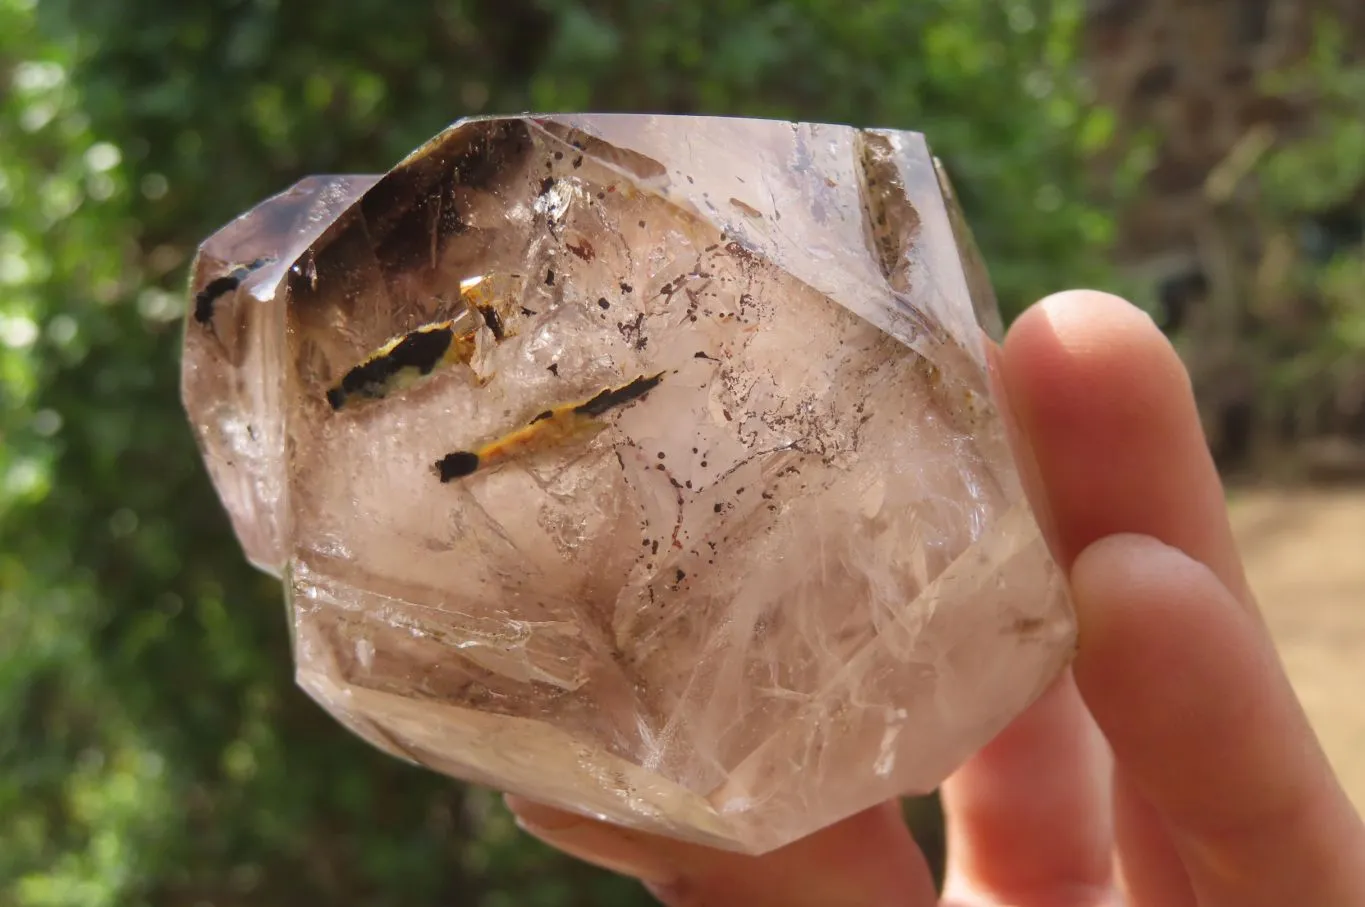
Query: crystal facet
point(646, 466)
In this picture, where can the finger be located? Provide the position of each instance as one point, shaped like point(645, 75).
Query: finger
point(1116, 446)
point(1186, 685)
point(1028, 817)
point(868, 860)
point(1106, 409)
point(1149, 867)
point(1104, 428)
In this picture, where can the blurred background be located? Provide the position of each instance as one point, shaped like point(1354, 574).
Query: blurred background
point(1208, 159)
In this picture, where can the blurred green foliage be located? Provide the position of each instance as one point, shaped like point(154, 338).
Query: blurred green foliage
point(1277, 350)
point(1309, 304)
point(153, 750)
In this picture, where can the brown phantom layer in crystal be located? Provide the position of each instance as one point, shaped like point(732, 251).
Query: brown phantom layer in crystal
point(641, 465)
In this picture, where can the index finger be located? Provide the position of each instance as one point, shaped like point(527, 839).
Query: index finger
point(1116, 442)
point(1174, 663)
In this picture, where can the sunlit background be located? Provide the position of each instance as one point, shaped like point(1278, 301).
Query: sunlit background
point(1206, 159)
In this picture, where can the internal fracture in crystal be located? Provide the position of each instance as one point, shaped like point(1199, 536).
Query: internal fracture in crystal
point(645, 466)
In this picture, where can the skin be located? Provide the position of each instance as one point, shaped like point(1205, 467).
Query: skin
point(1171, 767)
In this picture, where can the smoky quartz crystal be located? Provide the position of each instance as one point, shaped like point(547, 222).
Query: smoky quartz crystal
point(646, 466)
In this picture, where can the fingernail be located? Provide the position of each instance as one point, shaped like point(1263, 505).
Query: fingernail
point(615, 849)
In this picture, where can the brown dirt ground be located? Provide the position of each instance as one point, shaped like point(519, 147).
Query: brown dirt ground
point(1305, 555)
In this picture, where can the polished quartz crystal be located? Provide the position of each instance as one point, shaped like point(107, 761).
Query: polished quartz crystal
point(646, 466)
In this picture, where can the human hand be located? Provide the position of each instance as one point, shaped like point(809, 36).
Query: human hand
point(1171, 767)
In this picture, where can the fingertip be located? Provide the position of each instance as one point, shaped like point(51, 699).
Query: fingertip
point(1186, 685)
point(1159, 631)
point(1086, 298)
point(1071, 312)
point(1115, 443)
point(1119, 583)
point(1079, 346)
